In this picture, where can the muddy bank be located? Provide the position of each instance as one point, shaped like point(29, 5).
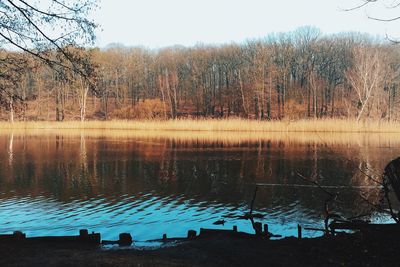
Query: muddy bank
point(217, 250)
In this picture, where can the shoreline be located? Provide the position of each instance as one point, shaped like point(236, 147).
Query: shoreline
point(214, 125)
point(216, 250)
point(203, 131)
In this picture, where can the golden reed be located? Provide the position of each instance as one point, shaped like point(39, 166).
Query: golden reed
point(217, 125)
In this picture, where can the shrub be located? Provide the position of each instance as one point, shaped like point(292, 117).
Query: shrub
point(144, 110)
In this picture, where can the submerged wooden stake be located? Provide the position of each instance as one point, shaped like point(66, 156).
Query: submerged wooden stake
point(266, 228)
point(266, 231)
point(191, 234)
point(299, 235)
point(125, 239)
point(258, 228)
point(83, 232)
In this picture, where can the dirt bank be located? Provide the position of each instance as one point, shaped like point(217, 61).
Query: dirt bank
point(217, 250)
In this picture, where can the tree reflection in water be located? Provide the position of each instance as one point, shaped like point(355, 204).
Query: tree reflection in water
point(118, 182)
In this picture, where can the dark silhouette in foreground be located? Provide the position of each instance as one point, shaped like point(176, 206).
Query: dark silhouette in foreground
point(216, 249)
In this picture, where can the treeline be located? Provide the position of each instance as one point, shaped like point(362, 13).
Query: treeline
point(301, 74)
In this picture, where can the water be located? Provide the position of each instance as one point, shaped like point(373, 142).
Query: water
point(111, 182)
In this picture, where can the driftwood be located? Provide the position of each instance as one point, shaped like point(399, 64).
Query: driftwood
point(368, 229)
point(84, 238)
point(391, 177)
point(257, 228)
point(332, 197)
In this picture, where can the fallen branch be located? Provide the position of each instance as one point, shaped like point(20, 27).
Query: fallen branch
point(316, 184)
point(332, 198)
point(252, 201)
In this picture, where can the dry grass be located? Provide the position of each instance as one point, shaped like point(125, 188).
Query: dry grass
point(203, 137)
point(232, 131)
point(226, 138)
point(217, 125)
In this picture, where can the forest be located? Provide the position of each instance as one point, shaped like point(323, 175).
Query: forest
point(284, 76)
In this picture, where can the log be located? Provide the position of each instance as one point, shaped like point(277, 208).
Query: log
point(389, 229)
point(90, 239)
point(16, 236)
point(210, 232)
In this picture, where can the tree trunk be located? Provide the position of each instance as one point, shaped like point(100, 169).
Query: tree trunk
point(269, 98)
point(160, 81)
point(332, 102)
point(84, 93)
point(242, 94)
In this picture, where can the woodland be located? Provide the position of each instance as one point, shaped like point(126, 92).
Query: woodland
point(59, 75)
point(296, 75)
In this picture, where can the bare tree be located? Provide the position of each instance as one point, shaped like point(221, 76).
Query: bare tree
point(12, 67)
point(366, 75)
point(83, 83)
point(30, 26)
point(392, 5)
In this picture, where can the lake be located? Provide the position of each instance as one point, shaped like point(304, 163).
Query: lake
point(148, 184)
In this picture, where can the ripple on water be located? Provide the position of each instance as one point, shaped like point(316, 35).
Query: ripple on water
point(136, 213)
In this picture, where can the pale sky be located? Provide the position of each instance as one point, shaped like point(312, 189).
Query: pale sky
point(160, 23)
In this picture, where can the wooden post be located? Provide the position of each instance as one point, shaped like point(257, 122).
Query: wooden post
point(266, 228)
point(18, 235)
point(191, 234)
point(258, 228)
point(299, 235)
point(333, 232)
point(266, 231)
point(125, 239)
point(83, 232)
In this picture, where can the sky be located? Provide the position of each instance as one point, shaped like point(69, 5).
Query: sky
point(161, 23)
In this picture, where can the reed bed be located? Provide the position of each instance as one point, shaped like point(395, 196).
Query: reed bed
point(219, 125)
point(202, 137)
point(224, 132)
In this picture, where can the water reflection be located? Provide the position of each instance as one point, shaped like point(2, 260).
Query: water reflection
point(56, 183)
point(10, 149)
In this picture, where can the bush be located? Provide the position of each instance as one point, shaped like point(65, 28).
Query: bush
point(144, 110)
point(294, 110)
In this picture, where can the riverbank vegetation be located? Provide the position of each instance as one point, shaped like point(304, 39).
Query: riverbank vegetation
point(289, 76)
point(233, 125)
